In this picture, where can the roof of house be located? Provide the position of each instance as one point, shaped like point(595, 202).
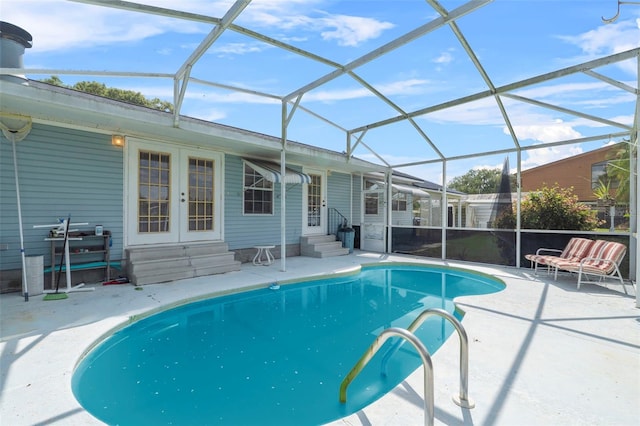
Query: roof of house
point(60, 106)
point(410, 180)
point(576, 157)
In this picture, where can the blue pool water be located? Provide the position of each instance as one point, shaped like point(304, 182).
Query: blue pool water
point(269, 357)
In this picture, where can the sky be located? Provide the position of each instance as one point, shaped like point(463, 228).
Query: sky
point(512, 40)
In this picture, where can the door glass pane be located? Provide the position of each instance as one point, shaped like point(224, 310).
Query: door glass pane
point(371, 203)
point(153, 191)
point(314, 201)
point(201, 200)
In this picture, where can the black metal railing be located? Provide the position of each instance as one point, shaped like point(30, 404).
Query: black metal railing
point(335, 221)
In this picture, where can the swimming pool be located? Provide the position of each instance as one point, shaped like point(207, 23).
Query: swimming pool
point(269, 356)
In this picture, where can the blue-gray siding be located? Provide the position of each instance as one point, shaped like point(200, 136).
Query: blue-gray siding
point(244, 231)
point(339, 193)
point(357, 199)
point(61, 172)
point(66, 171)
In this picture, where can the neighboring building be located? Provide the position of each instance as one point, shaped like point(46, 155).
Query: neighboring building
point(585, 173)
point(479, 208)
point(582, 172)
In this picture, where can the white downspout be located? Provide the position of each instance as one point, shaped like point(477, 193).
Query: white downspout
point(283, 193)
point(519, 198)
point(388, 211)
point(444, 210)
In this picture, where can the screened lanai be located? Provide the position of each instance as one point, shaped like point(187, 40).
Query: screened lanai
point(432, 89)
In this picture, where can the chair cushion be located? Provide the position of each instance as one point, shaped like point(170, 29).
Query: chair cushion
point(578, 248)
point(537, 258)
point(612, 253)
point(581, 250)
point(605, 262)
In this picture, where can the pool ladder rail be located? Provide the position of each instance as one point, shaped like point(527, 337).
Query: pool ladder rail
point(462, 399)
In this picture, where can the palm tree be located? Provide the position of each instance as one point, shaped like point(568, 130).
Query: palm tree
point(618, 170)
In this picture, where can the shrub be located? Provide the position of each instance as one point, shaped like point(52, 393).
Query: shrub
point(551, 208)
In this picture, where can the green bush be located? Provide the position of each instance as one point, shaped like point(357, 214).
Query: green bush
point(551, 208)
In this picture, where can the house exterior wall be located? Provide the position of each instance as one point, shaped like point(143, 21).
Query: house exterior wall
point(356, 199)
point(569, 172)
point(61, 172)
point(403, 217)
point(245, 231)
point(339, 194)
point(90, 188)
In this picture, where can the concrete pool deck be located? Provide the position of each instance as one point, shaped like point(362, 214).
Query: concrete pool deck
point(541, 352)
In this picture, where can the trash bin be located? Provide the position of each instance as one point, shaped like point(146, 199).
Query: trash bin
point(35, 275)
point(347, 235)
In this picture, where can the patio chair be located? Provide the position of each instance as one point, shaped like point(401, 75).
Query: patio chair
point(603, 263)
point(576, 249)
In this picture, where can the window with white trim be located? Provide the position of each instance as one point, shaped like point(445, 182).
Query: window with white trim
point(258, 192)
point(399, 202)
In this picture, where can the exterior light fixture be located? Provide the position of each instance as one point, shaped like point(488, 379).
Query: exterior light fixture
point(117, 140)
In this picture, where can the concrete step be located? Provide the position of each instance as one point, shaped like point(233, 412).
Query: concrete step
point(180, 274)
point(321, 246)
point(157, 264)
point(174, 251)
point(342, 251)
point(316, 239)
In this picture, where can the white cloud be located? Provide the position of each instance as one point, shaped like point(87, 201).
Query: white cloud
point(607, 39)
point(412, 86)
point(59, 26)
point(540, 124)
point(352, 30)
point(230, 98)
point(444, 58)
point(403, 87)
point(210, 114)
point(237, 48)
point(482, 112)
point(594, 93)
point(555, 132)
point(64, 25)
point(536, 157)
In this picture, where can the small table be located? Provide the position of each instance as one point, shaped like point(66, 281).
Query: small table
point(263, 252)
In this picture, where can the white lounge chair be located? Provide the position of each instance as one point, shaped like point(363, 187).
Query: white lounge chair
point(603, 260)
point(576, 249)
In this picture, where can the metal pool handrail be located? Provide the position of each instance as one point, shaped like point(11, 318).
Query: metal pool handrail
point(426, 361)
point(462, 399)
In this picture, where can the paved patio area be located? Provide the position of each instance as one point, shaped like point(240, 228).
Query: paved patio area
point(541, 351)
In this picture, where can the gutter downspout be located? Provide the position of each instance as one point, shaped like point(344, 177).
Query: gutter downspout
point(519, 198)
point(444, 211)
point(388, 210)
point(634, 199)
point(283, 193)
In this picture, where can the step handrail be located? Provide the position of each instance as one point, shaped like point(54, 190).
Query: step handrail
point(462, 399)
point(426, 361)
point(336, 220)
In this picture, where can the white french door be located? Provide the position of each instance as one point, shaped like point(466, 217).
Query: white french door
point(314, 199)
point(174, 194)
